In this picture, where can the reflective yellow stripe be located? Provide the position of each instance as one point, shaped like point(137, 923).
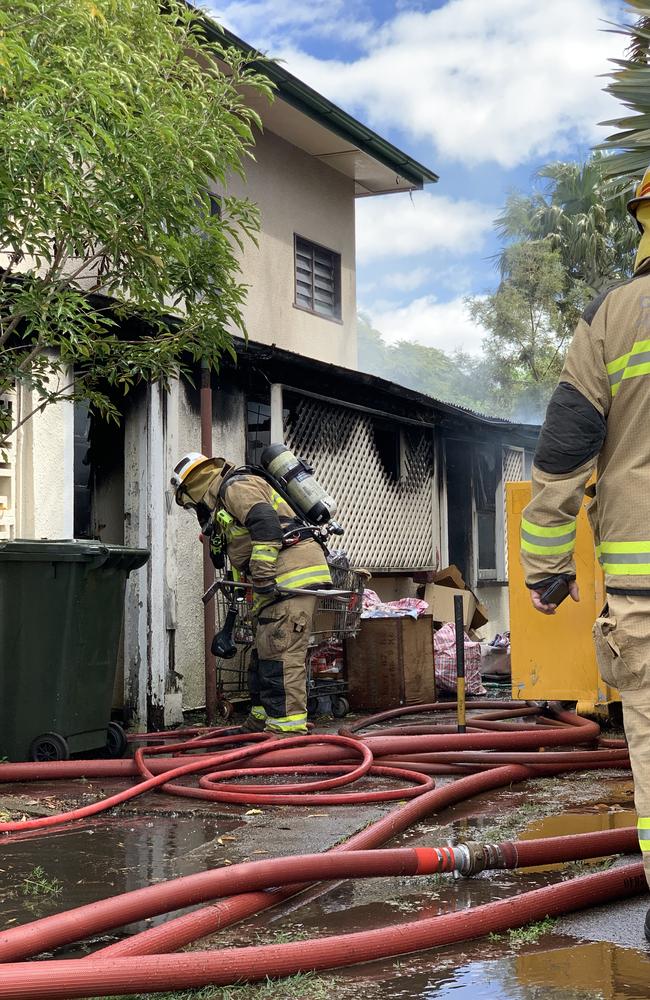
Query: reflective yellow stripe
point(547, 550)
point(276, 500)
point(265, 553)
point(548, 541)
point(643, 827)
point(643, 823)
point(258, 712)
point(287, 723)
point(304, 577)
point(636, 362)
point(559, 529)
point(625, 558)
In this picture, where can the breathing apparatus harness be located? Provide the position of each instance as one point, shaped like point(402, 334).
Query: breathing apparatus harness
point(313, 507)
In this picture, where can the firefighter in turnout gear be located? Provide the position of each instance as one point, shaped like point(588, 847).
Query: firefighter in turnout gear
point(598, 422)
point(246, 519)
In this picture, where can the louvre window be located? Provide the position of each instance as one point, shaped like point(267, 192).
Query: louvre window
point(318, 279)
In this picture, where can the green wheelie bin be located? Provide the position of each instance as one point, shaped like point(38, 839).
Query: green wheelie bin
point(61, 610)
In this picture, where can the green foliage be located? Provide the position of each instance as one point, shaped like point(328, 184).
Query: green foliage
point(576, 214)
point(305, 986)
point(37, 883)
point(630, 84)
point(528, 320)
point(116, 120)
point(530, 934)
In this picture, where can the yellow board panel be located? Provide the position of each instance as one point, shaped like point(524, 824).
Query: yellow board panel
point(553, 657)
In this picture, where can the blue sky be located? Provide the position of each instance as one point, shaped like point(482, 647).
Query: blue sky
point(482, 91)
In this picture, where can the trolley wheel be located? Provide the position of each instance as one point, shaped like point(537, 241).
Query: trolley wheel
point(340, 706)
point(116, 741)
point(49, 746)
point(225, 709)
point(312, 705)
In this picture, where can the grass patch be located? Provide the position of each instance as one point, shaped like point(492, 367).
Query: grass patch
point(530, 934)
point(305, 986)
point(38, 883)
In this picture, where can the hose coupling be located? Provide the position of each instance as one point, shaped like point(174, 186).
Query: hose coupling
point(473, 858)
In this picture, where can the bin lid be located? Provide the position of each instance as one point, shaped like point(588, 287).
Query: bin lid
point(73, 550)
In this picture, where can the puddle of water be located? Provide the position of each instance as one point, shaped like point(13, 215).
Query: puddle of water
point(596, 819)
point(106, 859)
point(577, 972)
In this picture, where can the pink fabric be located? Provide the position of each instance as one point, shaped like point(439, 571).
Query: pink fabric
point(374, 607)
point(444, 651)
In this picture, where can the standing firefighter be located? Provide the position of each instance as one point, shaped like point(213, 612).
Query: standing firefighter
point(246, 519)
point(598, 419)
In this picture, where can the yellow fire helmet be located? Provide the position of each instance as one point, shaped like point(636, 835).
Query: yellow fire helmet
point(641, 195)
point(193, 475)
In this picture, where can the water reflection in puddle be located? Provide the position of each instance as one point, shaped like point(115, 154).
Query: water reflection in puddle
point(576, 972)
point(105, 859)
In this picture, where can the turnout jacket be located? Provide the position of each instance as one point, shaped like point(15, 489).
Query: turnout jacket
point(252, 521)
point(598, 420)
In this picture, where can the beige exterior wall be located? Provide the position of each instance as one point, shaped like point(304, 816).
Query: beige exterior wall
point(297, 194)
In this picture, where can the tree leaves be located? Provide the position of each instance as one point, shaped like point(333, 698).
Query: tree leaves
point(111, 133)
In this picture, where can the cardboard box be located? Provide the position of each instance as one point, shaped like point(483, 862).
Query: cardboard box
point(441, 603)
point(450, 576)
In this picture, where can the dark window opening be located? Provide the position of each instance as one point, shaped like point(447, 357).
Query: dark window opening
point(388, 442)
point(317, 279)
point(486, 481)
point(458, 465)
point(82, 472)
point(258, 430)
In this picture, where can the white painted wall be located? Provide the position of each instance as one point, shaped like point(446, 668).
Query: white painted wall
point(229, 441)
point(44, 470)
point(296, 193)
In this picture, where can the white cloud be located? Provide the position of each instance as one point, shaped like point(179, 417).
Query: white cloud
point(498, 81)
point(395, 226)
point(445, 325)
point(267, 23)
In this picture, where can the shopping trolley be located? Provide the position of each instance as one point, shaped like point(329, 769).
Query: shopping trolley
point(336, 617)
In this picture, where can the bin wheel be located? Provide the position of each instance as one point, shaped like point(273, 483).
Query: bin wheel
point(116, 741)
point(49, 746)
point(312, 706)
point(340, 706)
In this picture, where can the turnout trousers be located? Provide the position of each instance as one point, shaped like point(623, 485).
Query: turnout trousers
point(277, 675)
point(622, 639)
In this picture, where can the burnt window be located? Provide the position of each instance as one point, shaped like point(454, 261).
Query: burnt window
point(486, 480)
point(388, 442)
point(82, 471)
point(258, 429)
point(317, 279)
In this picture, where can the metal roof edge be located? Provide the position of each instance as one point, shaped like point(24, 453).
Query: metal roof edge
point(304, 98)
point(257, 352)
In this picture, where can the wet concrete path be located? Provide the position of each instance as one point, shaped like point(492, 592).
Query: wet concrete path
point(596, 955)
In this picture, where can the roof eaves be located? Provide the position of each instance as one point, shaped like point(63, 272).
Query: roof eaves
point(319, 108)
point(262, 351)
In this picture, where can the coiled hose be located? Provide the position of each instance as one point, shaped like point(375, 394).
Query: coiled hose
point(407, 756)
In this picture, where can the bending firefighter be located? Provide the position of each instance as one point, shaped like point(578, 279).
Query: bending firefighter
point(246, 519)
point(597, 421)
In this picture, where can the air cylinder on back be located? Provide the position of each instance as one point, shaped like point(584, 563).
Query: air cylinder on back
point(297, 479)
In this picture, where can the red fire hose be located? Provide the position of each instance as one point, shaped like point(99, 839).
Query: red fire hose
point(406, 757)
point(104, 976)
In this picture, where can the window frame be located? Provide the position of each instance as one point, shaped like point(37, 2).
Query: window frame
point(488, 574)
point(337, 315)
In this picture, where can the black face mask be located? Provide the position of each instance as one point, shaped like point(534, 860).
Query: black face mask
point(203, 514)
